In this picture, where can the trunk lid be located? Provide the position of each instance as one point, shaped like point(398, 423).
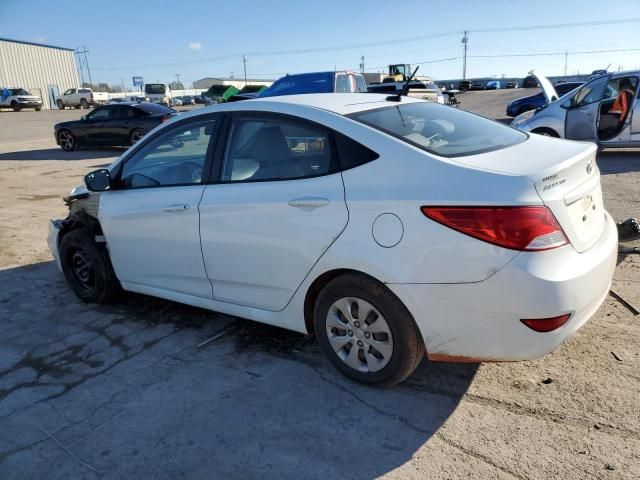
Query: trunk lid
point(565, 176)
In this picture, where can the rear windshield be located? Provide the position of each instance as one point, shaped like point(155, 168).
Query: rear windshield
point(151, 108)
point(155, 88)
point(439, 129)
point(296, 84)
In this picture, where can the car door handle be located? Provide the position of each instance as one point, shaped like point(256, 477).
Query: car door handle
point(176, 208)
point(309, 203)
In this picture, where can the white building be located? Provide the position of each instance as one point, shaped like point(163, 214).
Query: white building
point(43, 70)
point(205, 83)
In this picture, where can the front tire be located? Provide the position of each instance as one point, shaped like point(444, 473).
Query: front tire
point(366, 331)
point(84, 104)
point(67, 141)
point(60, 105)
point(16, 106)
point(38, 109)
point(87, 267)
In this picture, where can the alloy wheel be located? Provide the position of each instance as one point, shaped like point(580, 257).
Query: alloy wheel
point(67, 142)
point(136, 135)
point(359, 334)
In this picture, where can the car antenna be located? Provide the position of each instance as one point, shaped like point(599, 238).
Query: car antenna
point(405, 88)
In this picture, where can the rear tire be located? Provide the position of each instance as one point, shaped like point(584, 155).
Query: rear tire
point(84, 104)
point(16, 106)
point(87, 267)
point(136, 135)
point(354, 311)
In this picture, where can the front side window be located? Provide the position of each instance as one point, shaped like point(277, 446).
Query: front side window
point(270, 149)
point(590, 93)
point(440, 130)
point(176, 157)
point(104, 113)
point(69, 92)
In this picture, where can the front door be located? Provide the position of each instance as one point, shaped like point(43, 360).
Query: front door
point(150, 219)
point(278, 207)
point(94, 126)
point(583, 111)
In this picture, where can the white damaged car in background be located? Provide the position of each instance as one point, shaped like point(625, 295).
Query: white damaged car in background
point(605, 110)
point(388, 226)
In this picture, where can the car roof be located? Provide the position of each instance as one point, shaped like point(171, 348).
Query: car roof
point(340, 103)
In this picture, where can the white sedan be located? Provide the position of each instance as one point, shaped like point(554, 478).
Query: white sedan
point(388, 228)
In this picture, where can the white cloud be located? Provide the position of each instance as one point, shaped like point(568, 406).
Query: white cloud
point(195, 46)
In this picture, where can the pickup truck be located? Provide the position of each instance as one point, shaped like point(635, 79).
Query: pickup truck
point(81, 97)
point(19, 98)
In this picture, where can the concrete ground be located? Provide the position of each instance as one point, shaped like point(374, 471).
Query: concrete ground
point(124, 391)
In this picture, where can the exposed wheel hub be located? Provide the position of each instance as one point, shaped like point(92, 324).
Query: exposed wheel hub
point(82, 268)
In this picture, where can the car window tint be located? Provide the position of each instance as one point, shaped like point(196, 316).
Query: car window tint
point(123, 112)
point(176, 157)
point(590, 93)
point(441, 130)
point(361, 84)
point(266, 149)
point(351, 153)
point(104, 113)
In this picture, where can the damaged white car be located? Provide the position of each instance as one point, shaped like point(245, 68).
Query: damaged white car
point(387, 226)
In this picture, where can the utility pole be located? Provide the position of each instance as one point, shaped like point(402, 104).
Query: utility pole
point(362, 64)
point(178, 78)
point(83, 62)
point(244, 65)
point(566, 55)
point(465, 41)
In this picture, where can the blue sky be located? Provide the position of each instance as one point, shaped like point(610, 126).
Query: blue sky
point(196, 39)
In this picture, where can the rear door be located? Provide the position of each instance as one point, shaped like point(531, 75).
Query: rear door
point(277, 208)
point(583, 110)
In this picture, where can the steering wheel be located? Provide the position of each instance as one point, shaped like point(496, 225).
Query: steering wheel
point(188, 172)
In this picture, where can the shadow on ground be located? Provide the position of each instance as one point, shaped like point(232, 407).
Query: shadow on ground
point(124, 391)
point(59, 154)
point(613, 161)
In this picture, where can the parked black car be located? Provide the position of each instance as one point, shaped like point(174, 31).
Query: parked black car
point(532, 102)
point(464, 85)
point(530, 82)
point(118, 124)
point(199, 99)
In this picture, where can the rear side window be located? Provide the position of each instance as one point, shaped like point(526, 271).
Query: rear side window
point(361, 84)
point(441, 130)
point(274, 149)
point(352, 154)
point(84, 90)
point(343, 84)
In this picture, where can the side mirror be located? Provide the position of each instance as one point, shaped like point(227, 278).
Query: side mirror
point(98, 180)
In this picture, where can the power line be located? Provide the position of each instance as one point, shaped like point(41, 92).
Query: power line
point(558, 25)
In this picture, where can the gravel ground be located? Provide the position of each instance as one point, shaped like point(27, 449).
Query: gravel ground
point(123, 391)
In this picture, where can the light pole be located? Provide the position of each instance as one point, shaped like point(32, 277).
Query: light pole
point(465, 41)
point(244, 65)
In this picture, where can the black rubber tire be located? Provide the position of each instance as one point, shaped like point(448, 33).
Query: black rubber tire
point(84, 104)
point(104, 285)
point(133, 133)
point(15, 106)
point(75, 141)
point(38, 109)
point(60, 104)
point(408, 347)
point(547, 132)
point(77, 107)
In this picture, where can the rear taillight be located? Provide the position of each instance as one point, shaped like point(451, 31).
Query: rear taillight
point(546, 324)
point(164, 119)
point(517, 228)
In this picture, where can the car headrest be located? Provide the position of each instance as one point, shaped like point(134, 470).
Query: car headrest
point(270, 146)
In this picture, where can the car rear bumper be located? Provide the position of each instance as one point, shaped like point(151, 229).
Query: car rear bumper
point(52, 240)
point(481, 321)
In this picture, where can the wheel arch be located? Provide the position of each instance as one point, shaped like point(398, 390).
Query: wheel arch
point(79, 219)
point(316, 287)
point(546, 130)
